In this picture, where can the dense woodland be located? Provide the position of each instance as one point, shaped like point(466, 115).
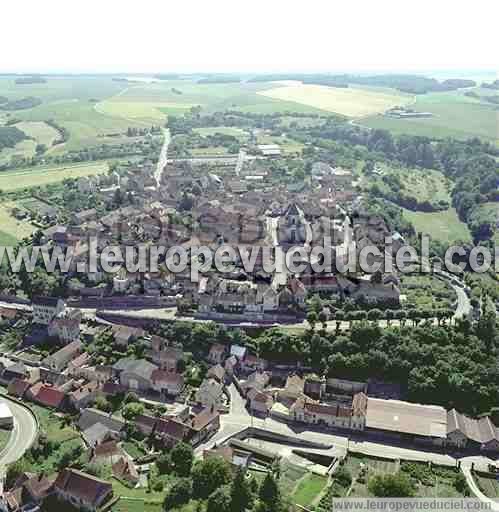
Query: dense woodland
point(21, 104)
point(10, 136)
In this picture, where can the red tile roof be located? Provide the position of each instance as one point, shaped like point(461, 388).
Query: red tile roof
point(49, 396)
point(85, 488)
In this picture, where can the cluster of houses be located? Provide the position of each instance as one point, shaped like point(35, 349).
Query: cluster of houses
point(354, 406)
point(72, 487)
point(223, 212)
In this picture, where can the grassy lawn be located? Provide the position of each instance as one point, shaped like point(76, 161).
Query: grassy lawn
point(133, 449)
point(308, 489)
point(11, 228)
point(444, 226)
point(290, 475)
point(140, 493)
point(53, 426)
point(127, 505)
point(39, 176)
point(489, 486)
point(455, 115)
point(351, 101)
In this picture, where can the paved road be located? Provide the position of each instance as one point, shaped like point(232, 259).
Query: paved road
point(163, 156)
point(22, 437)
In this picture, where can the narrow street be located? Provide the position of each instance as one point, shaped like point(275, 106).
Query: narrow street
point(163, 157)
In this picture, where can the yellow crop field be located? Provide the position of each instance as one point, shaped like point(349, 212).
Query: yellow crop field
point(350, 101)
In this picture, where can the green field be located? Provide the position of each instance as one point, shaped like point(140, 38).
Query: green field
point(39, 176)
point(128, 505)
point(98, 110)
point(308, 489)
point(424, 185)
point(454, 115)
point(444, 226)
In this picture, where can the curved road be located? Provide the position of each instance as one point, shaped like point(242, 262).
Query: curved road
point(23, 434)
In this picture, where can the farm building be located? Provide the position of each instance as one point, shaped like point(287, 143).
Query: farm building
point(6, 416)
point(271, 150)
point(404, 420)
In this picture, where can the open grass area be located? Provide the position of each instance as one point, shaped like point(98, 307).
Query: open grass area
point(454, 115)
point(290, 475)
point(444, 226)
point(308, 489)
point(39, 176)
point(12, 229)
point(350, 102)
point(139, 493)
point(133, 449)
point(53, 426)
point(40, 131)
point(128, 505)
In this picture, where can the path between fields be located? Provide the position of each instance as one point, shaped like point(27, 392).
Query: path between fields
point(117, 95)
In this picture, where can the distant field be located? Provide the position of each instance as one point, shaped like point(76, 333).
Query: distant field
point(176, 96)
point(144, 111)
point(225, 130)
point(351, 101)
point(444, 226)
point(38, 176)
point(40, 132)
point(99, 110)
point(455, 115)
